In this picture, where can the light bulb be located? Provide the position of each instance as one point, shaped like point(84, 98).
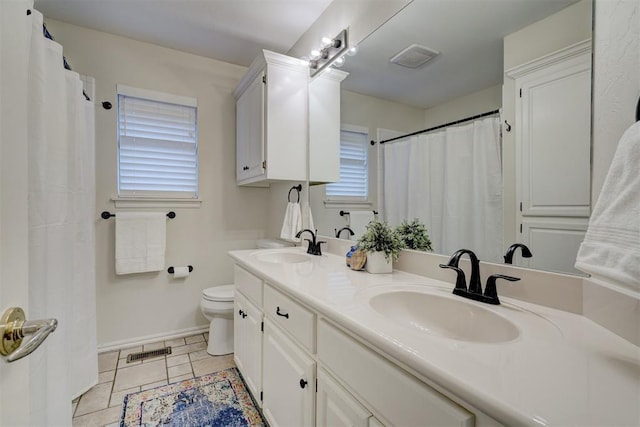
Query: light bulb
point(338, 62)
point(315, 54)
point(327, 41)
point(353, 50)
point(304, 61)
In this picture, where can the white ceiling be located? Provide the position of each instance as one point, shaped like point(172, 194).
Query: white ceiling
point(233, 31)
point(468, 33)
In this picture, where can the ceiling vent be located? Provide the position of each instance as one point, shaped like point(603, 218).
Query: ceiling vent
point(414, 56)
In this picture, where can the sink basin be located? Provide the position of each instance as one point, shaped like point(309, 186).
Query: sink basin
point(444, 315)
point(282, 257)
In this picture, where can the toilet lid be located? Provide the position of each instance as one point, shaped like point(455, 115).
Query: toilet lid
point(219, 293)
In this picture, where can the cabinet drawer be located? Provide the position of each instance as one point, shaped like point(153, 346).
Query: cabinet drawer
point(291, 316)
point(248, 284)
point(400, 398)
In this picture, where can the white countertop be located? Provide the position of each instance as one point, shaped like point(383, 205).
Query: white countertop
point(562, 370)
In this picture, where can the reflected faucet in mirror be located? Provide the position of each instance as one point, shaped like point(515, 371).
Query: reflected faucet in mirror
point(508, 256)
point(474, 291)
point(339, 232)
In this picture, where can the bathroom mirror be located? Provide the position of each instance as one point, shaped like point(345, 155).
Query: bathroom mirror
point(470, 75)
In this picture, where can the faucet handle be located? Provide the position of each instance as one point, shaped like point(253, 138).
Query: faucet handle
point(318, 247)
point(461, 280)
point(490, 291)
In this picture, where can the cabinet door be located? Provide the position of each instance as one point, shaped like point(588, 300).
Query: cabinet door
point(554, 243)
point(554, 138)
point(289, 381)
point(247, 340)
point(336, 407)
point(250, 131)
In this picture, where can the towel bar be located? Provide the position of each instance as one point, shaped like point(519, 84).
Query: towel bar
point(107, 215)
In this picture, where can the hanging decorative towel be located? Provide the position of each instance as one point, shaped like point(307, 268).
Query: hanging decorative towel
point(611, 247)
point(140, 242)
point(292, 222)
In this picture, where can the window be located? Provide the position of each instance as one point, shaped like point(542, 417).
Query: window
point(353, 184)
point(157, 144)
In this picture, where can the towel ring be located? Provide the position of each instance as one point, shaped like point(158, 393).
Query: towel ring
point(298, 188)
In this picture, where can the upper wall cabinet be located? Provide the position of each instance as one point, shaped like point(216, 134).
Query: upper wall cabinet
point(271, 121)
point(279, 113)
point(324, 126)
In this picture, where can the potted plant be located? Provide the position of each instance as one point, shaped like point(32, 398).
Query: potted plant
point(382, 245)
point(414, 235)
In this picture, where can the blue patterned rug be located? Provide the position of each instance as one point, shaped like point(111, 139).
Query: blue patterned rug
point(214, 400)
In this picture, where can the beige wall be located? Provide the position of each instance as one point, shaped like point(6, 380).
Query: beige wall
point(569, 26)
point(484, 100)
point(137, 306)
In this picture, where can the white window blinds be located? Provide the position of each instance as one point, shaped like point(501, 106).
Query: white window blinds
point(157, 145)
point(353, 184)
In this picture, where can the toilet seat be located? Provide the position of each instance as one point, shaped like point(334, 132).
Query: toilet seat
point(219, 293)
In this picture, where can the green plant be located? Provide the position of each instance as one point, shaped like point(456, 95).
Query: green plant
point(415, 236)
point(380, 237)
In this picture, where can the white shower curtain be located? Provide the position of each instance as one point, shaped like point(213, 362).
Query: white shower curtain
point(452, 181)
point(61, 204)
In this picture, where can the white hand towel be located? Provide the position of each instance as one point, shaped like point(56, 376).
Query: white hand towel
point(611, 247)
point(140, 242)
point(307, 218)
point(292, 222)
point(358, 220)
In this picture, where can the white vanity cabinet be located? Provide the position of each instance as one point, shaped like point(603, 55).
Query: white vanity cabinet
point(247, 341)
point(289, 367)
point(288, 382)
point(307, 372)
point(272, 121)
point(247, 325)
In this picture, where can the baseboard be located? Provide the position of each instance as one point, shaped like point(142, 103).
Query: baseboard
point(134, 342)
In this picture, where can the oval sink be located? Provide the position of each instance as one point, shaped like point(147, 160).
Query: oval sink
point(446, 316)
point(282, 257)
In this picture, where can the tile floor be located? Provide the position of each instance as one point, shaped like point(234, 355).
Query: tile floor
point(102, 405)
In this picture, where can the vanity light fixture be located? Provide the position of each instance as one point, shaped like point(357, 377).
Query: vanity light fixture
point(331, 51)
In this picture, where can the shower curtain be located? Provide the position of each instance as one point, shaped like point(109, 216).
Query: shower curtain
point(61, 205)
point(452, 181)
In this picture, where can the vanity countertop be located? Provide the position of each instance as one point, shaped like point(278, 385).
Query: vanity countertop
point(565, 371)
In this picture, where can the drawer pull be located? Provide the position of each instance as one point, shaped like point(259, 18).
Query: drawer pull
point(286, 315)
point(242, 313)
point(303, 383)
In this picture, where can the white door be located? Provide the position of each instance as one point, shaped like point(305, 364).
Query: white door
point(22, 398)
point(288, 381)
point(250, 131)
point(248, 343)
point(337, 407)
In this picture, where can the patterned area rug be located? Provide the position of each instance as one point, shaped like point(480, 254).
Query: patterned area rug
point(218, 399)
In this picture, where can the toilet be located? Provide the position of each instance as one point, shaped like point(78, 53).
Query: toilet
point(217, 306)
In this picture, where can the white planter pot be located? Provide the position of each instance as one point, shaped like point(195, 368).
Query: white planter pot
point(377, 263)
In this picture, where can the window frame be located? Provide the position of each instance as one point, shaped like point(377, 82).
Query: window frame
point(351, 201)
point(142, 198)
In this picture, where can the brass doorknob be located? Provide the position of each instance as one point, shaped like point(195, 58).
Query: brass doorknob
point(14, 327)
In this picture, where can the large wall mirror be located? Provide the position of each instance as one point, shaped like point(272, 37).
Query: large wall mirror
point(519, 175)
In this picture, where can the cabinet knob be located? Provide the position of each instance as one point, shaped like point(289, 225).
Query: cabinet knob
point(303, 383)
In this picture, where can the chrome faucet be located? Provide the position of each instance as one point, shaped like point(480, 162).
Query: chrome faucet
point(339, 232)
point(314, 246)
point(508, 257)
point(474, 291)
